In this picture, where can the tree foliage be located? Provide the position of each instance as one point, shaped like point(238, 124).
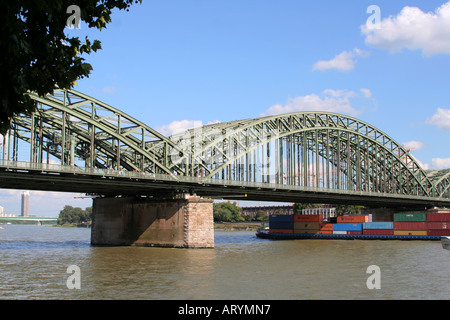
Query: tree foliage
point(226, 211)
point(298, 207)
point(343, 209)
point(38, 56)
point(74, 215)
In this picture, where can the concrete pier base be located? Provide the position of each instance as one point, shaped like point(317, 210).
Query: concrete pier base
point(180, 223)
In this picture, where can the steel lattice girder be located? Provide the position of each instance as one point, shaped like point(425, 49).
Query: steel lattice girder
point(347, 153)
point(357, 150)
point(113, 138)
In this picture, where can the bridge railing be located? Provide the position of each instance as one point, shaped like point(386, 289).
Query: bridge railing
point(139, 175)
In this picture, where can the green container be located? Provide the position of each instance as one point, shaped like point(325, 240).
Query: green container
point(410, 217)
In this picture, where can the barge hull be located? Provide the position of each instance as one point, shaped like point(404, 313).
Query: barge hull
point(299, 236)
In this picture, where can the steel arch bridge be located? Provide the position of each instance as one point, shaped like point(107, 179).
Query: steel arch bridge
point(312, 151)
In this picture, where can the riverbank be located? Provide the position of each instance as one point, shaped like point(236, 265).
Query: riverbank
point(239, 226)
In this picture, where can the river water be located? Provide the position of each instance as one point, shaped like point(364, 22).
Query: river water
point(34, 263)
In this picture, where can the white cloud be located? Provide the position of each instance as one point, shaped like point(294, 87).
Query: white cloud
point(109, 89)
point(413, 29)
point(440, 119)
point(440, 163)
point(180, 126)
point(344, 61)
point(366, 92)
point(413, 145)
point(338, 101)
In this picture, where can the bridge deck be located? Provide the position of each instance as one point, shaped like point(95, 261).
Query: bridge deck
point(51, 177)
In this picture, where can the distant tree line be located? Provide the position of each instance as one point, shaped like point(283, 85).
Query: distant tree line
point(71, 215)
point(230, 212)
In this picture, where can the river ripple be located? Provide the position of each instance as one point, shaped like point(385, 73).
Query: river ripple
point(34, 261)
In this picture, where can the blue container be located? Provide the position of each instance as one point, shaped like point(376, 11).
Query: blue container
point(347, 227)
point(378, 225)
point(285, 221)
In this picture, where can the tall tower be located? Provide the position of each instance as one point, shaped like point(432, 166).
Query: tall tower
point(25, 203)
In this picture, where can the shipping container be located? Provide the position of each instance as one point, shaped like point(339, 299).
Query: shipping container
point(282, 217)
point(325, 232)
point(354, 232)
point(437, 210)
point(410, 232)
point(410, 216)
point(332, 219)
point(306, 231)
point(353, 219)
point(378, 225)
point(307, 225)
point(410, 226)
point(339, 232)
point(435, 232)
point(281, 225)
point(387, 232)
point(438, 216)
point(308, 218)
point(281, 222)
point(281, 231)
point(347, 227)
point(326, 227)
point(438, 225)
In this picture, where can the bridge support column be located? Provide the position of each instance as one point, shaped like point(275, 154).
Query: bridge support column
point(179, 223)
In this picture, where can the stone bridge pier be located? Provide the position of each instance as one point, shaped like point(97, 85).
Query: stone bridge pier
point(182, 222)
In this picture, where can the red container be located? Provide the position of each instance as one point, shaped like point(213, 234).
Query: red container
point(438, 232)
point(308, 218)
point(354, 232)
point(325, 232)
point(410, 226)
point(438, 216)
point(387, 232)
point(281, 231)
point(438, 225)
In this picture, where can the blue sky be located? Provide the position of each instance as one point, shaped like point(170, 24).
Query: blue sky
point(170, 63)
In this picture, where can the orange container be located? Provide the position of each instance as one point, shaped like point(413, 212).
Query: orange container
point(325, 232)
point(352, 219)
point(326, 227)
point(308, 218)
point(281, 231)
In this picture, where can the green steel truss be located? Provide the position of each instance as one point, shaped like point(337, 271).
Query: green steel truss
point(310, 149)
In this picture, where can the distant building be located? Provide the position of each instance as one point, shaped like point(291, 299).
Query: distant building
point(1, 211)
point(268, 210)
point(326, 212)
point(25, 204)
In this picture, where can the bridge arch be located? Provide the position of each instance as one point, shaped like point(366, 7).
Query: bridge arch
point(341, 152)
point(317, 150)
point(70, 125)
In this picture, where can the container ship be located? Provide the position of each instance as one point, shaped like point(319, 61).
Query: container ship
point(418, 225)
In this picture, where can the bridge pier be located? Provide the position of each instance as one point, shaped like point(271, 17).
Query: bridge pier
point(184, 222)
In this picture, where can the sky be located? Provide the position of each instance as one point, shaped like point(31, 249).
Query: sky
point(173, 63)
